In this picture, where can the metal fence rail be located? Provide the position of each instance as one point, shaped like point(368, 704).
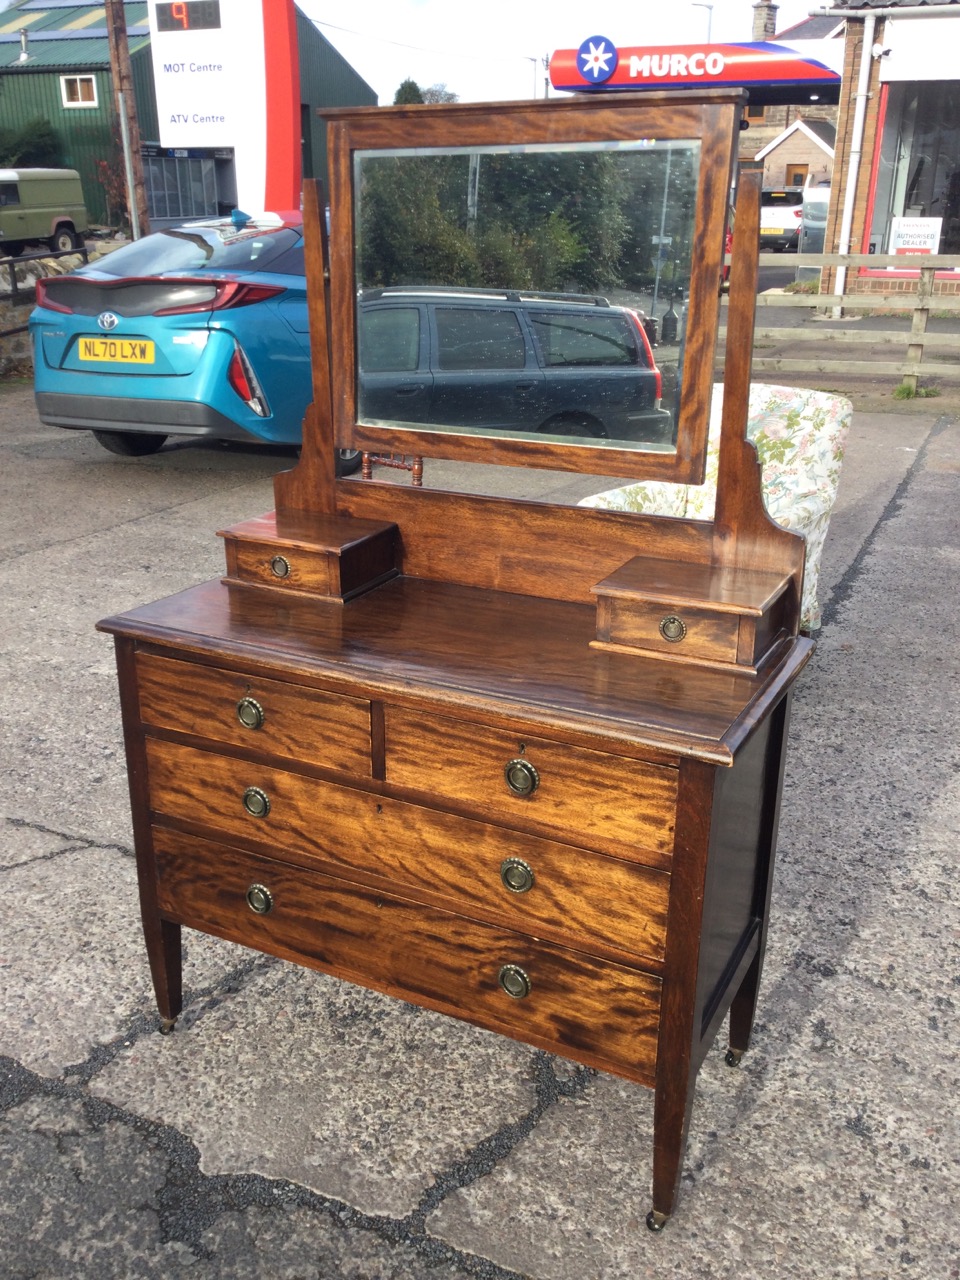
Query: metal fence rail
point(831, 306)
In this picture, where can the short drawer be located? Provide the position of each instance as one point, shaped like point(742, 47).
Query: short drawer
point(571, 1003)
point(263, 716)
point(524, 881)
point(620, 806)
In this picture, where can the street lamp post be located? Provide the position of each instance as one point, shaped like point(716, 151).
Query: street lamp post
point(709, 8)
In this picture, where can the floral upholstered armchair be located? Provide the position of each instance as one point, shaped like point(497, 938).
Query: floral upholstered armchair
point(799, 436)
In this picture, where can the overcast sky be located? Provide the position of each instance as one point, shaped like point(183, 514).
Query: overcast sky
point(493, 49)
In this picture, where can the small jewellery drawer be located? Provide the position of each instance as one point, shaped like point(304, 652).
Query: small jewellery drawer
point(264, 716)
point(595, 1011)
point(523, 881)
point(621, 806)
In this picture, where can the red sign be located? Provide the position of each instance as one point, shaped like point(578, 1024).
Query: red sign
point(598, 64)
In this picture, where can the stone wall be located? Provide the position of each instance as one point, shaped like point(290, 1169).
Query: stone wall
point(16, 355)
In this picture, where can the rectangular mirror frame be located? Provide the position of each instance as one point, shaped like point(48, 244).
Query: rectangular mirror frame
point(712, 117)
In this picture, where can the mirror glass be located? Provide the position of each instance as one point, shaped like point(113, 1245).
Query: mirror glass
point(530, 292)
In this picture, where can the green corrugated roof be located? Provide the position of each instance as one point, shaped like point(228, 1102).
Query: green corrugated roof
point(63, 33)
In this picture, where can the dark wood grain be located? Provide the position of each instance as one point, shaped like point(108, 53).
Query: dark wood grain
point(488, 657)
point(162, 937)
point(594, 1011)
point(577, 896)
point(388, 718)
point(623, 807)
point(299, 723)
point(309, 486)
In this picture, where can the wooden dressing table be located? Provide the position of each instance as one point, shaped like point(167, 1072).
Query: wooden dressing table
point(512, 761)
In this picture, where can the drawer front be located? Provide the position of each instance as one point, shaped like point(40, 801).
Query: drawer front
point(264, 716)
point(620, 806)
point(528, 883)
point(591, 1010)
point(291, 567)
point(698, 633)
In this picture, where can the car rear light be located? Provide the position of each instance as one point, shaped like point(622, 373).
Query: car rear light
point(226, 295)
point(244, 382)
point(798, 212)
point(648, 352)
point(44, 299)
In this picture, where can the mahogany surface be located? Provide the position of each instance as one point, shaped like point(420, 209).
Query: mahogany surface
point(410, 763)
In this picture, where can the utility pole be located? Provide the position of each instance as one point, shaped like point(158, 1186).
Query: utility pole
point(127, 112)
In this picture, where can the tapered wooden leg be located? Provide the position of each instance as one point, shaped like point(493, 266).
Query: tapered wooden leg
point(743, 1009)
point(166, 968)
point(672, 1107)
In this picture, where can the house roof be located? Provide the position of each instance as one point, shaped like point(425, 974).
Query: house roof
point(65, 33)
point(820, 28)
point(819, 131)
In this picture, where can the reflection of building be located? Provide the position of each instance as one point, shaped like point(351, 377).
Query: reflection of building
point(898, 135)
point(791, 142)
point(55, 68)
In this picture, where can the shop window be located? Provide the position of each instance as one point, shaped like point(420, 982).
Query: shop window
point(754, 112)
point(918, 175)
point(78, 91)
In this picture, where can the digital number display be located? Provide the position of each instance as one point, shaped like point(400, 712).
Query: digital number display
point(189, 15)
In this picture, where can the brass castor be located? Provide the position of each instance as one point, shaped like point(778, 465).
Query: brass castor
point(656, 1220)
point(733, 1057)
point(167, 1025)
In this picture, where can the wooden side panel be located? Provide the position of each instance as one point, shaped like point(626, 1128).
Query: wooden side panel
point(623, 807)
point(744, 535)
point(594, 1011)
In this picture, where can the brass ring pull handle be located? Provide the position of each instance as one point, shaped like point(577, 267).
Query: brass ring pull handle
point(673, 628)
point(259, 899)
point(522, 778)
point(514, 981)
point(256, 802)
point(280, 567)
point(516, 875)
point(250, 713)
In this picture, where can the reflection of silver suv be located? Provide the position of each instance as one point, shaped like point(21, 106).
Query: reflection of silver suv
point(485, 359)
point(781, 217)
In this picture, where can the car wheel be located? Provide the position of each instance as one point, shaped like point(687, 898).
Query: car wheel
point(10, 248)
point(64, 240)
point(573, 424)
point(130, 444)
point(348, 461)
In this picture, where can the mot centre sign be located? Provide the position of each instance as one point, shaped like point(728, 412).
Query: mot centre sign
point(225, 79)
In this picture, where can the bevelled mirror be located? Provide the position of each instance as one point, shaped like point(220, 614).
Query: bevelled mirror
point(530, 284)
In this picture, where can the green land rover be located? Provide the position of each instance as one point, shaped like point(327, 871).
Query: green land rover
point(40, 206)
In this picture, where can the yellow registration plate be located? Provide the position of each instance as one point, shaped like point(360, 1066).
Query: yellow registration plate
point(773, 231)
point(117, 350)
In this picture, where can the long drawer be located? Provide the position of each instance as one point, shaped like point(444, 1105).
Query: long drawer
point(595, 1011)
point(621, 806)
point(527, 882)
point(267, 716)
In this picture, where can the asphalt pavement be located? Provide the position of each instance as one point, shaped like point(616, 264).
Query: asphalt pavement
point(298, 1128)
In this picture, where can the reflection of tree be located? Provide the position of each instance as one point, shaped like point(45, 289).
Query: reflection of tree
point(551, 221)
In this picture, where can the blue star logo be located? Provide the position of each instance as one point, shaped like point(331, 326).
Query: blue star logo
point(597, 59)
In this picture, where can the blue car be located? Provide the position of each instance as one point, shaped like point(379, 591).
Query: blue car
point(200, 330)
